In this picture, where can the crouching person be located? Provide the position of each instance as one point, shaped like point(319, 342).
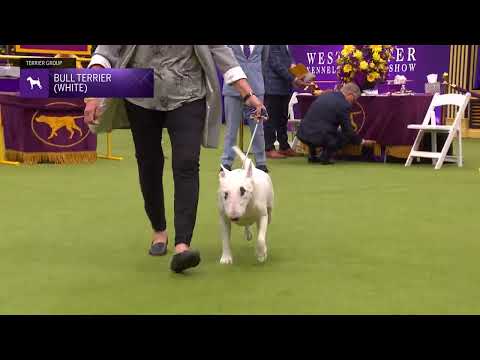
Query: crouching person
point(320, 126)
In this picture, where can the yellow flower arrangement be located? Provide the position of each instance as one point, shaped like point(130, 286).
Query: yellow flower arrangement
point(364, 64)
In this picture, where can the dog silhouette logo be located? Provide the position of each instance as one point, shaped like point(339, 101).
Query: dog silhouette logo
point(357, 117)
point(34, 83)
point(57, 122)
point(60, 125)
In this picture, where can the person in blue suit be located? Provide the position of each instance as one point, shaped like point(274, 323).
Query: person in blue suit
point(252, 58)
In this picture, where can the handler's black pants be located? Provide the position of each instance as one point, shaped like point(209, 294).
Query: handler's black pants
point(184, 126)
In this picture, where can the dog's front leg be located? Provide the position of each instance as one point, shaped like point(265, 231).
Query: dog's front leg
point(262, 224)
point(225, 226)
point(71, 132)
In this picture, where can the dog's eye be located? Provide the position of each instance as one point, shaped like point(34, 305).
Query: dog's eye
point(226, 195)
point(242, 191)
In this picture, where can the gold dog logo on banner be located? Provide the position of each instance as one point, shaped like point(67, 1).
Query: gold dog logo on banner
point(357, 117)
point(58, 122)
point(64, 131)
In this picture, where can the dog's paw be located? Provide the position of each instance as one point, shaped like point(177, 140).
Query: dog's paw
point(262, 254)
point(248, 234)
point(226, 259)
point(262, 258)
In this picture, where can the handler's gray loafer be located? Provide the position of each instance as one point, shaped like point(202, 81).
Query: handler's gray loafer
point(158, 249)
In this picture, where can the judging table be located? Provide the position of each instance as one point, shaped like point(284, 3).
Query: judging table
point(44, 130)
point(383, 118)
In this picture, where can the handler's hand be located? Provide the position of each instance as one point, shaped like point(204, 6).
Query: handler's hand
point(92, 105)
point(260, 110)
point(92, 111)
point(299, 83)
point(366, 142)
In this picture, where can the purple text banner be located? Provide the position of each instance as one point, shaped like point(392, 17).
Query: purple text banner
point(415, 62)
point(81, 83)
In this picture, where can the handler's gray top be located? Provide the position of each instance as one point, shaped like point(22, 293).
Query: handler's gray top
point(178, 75)
point(210, 58)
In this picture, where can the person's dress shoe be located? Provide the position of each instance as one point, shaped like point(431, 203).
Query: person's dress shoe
point(158, 249)
point(289, 152)
point(315, 159)
point(263, 168)
point(185, 260)
point(228, 167)
point(274, 154)
point(320, 160)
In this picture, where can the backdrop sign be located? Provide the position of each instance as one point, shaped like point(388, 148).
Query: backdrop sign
point(413, 61)
point(55, 49)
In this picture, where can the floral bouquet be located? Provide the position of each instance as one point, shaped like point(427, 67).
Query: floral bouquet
point(365, 65)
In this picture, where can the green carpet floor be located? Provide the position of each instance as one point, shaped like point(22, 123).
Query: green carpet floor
point(353, 238)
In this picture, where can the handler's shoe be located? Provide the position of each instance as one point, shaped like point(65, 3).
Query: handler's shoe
point(158, 249)
point(262, 167)
point(289, 153)
point(185, 260)
point(274, 154)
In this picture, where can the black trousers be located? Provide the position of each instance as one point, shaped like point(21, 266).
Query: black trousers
point(184, 126)
point(330, 143)
point(276, 126)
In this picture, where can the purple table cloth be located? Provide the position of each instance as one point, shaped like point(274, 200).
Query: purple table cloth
point(46, 130)
point(383, 118)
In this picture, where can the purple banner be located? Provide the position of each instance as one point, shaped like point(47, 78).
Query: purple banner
point(81, 83)
point(45, 126)
point(415, 62)
point(9, 85)
point(383, 118)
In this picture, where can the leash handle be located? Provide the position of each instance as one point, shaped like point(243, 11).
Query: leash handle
point(264, 116)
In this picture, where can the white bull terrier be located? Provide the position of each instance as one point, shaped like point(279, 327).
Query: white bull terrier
point(245, 196)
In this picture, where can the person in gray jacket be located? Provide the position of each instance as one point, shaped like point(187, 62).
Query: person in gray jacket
point(187, 102)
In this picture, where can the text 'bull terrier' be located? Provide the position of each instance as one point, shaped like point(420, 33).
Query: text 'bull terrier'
point(245, 196)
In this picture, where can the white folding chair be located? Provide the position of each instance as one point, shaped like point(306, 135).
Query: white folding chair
point(292, 121)
point(429, 125)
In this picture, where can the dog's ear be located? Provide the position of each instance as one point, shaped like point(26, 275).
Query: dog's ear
point(223, 173)
point(250, 170)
